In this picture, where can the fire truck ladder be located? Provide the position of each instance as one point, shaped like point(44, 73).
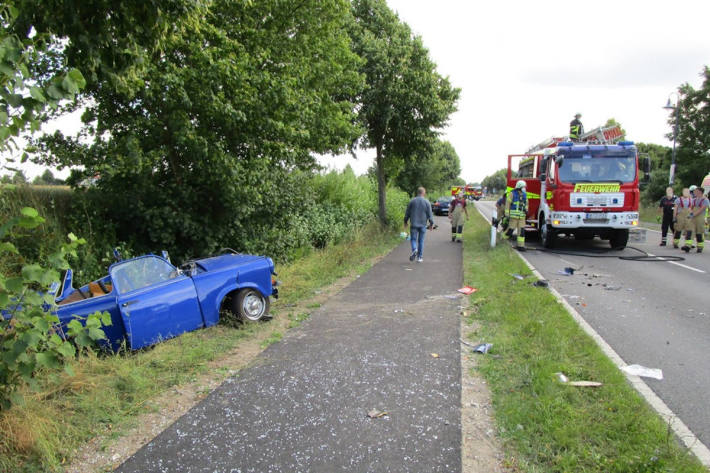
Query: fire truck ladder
point(603, 135)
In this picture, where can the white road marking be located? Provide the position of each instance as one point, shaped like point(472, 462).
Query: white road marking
point(680, 264)
point(681, 430)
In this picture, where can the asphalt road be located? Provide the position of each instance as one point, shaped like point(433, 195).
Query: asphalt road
point(303, 405)
point(655, 314)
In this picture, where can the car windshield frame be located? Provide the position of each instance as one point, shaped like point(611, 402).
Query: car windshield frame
point(138, 273)
point(589, 168)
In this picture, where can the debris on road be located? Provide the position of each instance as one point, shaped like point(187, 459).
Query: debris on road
point(435, 355)
point(611, 288)
point(467, 290)
point(568, 271)
point(638, 370)
point(482, 348)
point(375, 414)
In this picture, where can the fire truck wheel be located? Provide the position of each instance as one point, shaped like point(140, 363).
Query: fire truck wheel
point(619, 239)
point(547, 234)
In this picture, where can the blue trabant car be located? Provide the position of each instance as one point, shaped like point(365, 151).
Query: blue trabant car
point(151, 300)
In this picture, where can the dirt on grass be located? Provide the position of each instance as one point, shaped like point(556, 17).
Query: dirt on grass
point(481, 449)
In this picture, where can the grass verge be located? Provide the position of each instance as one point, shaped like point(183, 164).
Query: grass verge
point(107, 394)
point(548, 426)
point(649, 213)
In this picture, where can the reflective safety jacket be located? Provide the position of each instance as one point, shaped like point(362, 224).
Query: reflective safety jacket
point(518, 207)
point(575, 129)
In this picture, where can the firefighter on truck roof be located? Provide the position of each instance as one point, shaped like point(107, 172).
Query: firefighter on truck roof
point(516, 209)
point(575, 128)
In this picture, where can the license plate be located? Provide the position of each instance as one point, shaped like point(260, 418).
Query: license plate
point(596, 216)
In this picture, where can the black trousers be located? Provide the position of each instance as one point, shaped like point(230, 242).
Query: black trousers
point(665, 225)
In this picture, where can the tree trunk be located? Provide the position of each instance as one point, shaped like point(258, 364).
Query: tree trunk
point(381, 187)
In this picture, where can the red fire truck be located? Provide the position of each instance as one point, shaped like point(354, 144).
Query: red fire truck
point(471, 192)
point(586, 189)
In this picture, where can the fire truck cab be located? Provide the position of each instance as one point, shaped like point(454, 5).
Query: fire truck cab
point(580, 189)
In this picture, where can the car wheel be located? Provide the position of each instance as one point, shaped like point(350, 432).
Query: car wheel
point(250, 305)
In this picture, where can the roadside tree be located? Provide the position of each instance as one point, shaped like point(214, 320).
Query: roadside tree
point(693, 140)
point(435, 166)
point(50, 50)
point(405, 100)
point(204, 154)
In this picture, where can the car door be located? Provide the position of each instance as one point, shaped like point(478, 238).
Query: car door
point(155, 300)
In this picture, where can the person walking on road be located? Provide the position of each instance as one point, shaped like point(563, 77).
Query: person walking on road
point(457, 209)
point(666, 206)
point(696, 218)
point(418, 214)
point(681, 210)
point(575, 128)
point(516, 209)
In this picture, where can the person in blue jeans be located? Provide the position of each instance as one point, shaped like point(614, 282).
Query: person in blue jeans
point(418, 214)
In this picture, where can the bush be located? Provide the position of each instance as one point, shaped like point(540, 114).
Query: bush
point(29, 337)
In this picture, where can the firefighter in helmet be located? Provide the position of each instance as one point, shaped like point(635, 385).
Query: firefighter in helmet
point(575, 128)
point(516, 209)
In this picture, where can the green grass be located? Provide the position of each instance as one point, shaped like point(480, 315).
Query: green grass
point(107, 393)
point(649, 213)
point(547, 426)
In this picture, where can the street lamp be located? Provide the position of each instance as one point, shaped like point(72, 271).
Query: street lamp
point(670, 106)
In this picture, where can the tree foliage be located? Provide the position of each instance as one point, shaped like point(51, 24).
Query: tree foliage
point(50, 50)
point(660, 157)
point(30, 339)
point(496, 181)
point(205, 153)
point(405, 100)
point(435, 166)
point(693, 140)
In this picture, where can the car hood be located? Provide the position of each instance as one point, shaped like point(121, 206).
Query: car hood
point(216, 263)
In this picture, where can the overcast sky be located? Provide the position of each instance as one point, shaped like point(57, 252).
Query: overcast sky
point(525, 68)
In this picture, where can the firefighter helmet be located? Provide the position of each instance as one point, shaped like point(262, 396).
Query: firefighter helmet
point(520, 184)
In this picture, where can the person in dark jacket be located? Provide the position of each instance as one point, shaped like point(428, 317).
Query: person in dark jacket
point(418, 213)
point(666, 206)
point(575, 128)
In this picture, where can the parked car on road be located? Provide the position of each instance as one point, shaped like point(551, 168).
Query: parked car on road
point(151, 300)
point(441, 205)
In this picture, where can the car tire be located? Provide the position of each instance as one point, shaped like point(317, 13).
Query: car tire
point(250, 305)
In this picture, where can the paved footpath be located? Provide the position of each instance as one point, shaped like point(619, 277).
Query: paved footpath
point(302, 406)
